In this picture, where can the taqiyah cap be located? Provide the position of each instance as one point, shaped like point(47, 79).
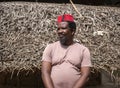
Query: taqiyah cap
point(65, 17)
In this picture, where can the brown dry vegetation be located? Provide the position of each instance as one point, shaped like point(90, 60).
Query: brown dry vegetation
point(26, 28)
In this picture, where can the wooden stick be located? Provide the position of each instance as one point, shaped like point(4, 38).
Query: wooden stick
point(76, 9)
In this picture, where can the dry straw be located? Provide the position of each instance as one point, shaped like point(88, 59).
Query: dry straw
point(26, 28)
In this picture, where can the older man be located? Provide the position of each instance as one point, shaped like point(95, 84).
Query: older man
point(65, 63)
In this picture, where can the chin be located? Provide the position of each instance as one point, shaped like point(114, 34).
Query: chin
point(63, 42)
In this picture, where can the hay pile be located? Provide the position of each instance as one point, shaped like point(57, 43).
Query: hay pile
point(26, 28)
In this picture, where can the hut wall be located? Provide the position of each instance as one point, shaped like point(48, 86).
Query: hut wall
point(28, 79)
point(24, 79)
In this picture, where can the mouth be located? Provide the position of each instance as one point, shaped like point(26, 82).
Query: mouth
point(62, 39)
point(61, 35)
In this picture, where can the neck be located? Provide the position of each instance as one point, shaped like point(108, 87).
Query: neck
point(68, 43)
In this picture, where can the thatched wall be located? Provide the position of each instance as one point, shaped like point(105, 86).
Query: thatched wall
point(26, 28)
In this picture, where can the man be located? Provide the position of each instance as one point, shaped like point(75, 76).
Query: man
point(65, 63)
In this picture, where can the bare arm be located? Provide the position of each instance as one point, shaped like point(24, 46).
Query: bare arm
point(85, 71)
point(46, 71)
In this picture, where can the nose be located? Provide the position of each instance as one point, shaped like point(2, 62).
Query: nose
point(60, 30)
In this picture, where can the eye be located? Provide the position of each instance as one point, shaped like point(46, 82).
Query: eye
point(58, 29)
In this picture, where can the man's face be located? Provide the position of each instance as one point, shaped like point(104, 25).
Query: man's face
point(64, 33)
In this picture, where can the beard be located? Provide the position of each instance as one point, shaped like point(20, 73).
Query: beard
point(63, 40)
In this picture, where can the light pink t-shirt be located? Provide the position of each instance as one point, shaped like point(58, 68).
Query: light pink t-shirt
point(66, 62)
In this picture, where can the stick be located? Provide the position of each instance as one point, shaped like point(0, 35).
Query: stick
point(76, 9)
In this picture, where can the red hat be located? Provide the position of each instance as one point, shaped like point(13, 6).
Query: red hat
point(65, 17)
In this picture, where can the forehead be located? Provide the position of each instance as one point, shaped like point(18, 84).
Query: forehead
point(63, 24)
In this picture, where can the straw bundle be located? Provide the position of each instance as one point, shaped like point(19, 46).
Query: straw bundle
point(26, 28)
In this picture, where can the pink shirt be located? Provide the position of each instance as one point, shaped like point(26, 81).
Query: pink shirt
point(66, 62)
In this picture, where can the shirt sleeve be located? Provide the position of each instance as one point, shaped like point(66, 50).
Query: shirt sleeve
point(47, 54)
point(86, 60)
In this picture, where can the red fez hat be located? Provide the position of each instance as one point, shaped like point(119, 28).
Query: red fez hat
point(65, 17)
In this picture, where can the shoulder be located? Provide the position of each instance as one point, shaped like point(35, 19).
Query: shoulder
point(81, 46)
point(52, 45)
